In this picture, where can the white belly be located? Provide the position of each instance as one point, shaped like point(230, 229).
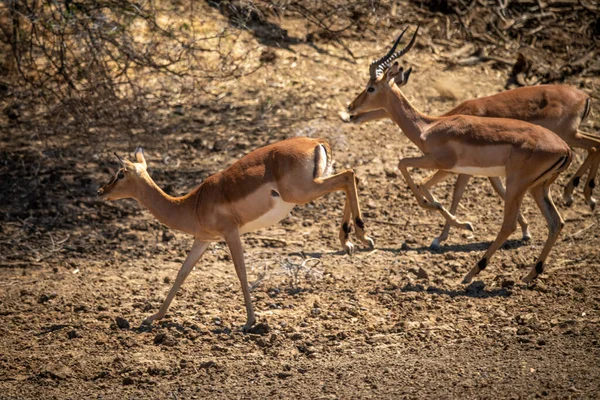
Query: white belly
point(480, 171)
point(271, 217)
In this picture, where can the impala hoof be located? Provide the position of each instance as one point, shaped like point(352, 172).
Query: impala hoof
point(248, 326)
point(568, 199)
point(349, 247)
point(368, 242)
point(592, 204)
point(469, 227)
point(526, 236)
point(435, 245)
point(530, 277)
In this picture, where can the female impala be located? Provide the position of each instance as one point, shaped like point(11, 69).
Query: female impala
point(257, 191)
point(530, 156)
point(559, 108)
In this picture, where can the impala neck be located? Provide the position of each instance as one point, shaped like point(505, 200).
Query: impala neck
point(176, 212)
point(412, 122)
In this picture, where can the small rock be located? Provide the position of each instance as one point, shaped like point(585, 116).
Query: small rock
point(122, 323)
point(219, 145)
point(73, 334)
point(268, 56)
point(260, 329)
point(167, 236)
point(475, 287)
point(422, 274)
point(208, 364)
point(165, 340)
point(283, 375)
point(508, 283)
point(127, 380)
point(45, 298)
point(167, 280)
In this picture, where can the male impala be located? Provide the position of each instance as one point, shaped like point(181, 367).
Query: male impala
point(530, 156)
point(559, 108)
point(257, 191)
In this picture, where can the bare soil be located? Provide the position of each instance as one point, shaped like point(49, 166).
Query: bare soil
point(78, 275)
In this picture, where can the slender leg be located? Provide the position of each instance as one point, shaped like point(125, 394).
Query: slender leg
point(542, 197)
point(237, 254)
point(431, 181)
point(591, 182)
point(345, 229)
point(499, 188)
point(196, 252)
point(591, 144)
point(459, 189)
point(303, 192)
point(427, 162)
point(512, 204)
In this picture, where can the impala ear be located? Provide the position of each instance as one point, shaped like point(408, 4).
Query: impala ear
point(401, 77)
point(406, 75)
point(139, 156)
point(393, 70)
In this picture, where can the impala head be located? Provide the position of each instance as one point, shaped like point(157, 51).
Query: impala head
point(127, 178)
point(383, 75)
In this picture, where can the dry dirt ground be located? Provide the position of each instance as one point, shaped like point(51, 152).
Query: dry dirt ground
point(79, 275)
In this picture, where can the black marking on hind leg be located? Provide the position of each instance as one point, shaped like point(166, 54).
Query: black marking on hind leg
point(274, 193)
point(360, 223)
point(592, 184)
point(576, 181)
point(482, 263)
point(346, 229)
point(539, 267)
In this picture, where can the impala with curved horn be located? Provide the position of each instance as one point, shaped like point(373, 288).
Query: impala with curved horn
point(257, 191)
point(559, 108)
point(529, 156)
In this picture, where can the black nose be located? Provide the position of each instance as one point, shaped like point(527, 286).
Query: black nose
point(349, 106)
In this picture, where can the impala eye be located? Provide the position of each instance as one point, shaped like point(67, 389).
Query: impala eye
point(120, 175)
point(370, 89)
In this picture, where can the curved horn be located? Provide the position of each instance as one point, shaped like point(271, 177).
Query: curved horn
point(388, 58)
point(121, 161)
point(373, 68)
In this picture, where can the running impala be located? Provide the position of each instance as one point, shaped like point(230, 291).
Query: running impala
point(529, 156)
point(559, 108)
point(257, 191)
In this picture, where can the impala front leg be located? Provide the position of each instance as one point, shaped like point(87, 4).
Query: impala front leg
point(499, 188)
point(428, 162)
point(237, 254)
point(198, 248)
point(591, 144)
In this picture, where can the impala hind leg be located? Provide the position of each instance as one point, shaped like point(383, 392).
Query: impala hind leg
point(499, 188)
point(591, 182)
point(591, 144)
point(346, 228)
point(543, 199)
point(198, 248)
point(428, 162)
point(512, 204)
point(303, 192)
